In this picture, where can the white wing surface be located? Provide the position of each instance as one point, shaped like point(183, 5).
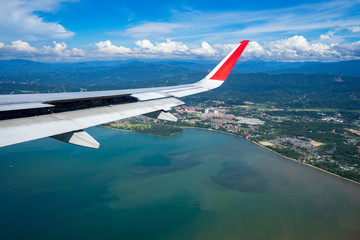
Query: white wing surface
point(63, 116)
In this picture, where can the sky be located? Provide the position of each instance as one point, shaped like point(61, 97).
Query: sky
point(84, 30)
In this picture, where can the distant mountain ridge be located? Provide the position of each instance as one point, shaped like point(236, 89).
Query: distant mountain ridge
point(345, 68)
point(285, 89)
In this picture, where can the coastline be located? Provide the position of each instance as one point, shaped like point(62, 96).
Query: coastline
point(292, 159)
point(306, 164)
point(137, 132)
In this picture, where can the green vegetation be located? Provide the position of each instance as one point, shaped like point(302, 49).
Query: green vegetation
point(346, 153)
point(157, 130)
point(288, 91)
point(316, 130)
point(334, 168)
point(287, 152)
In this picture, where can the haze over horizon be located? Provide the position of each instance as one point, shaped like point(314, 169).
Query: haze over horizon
point(82, 30)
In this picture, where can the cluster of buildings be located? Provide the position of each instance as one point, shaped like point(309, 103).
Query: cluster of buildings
point(332, 119)
point(250, 121)
point(216, 118)
point(295, 143)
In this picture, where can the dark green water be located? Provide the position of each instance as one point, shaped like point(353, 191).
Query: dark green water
point(197, 185)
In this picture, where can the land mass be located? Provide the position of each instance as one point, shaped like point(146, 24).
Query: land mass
point(324, 139)
point(312, 118)
point(151, 129)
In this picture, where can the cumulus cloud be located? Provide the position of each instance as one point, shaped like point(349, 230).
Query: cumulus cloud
point(296, 48)
point(168, 47)
point(108, 48)
point(255, 50)
point(145, 44)
point(205, 50)
point(23, 50)
point(349, 51)
point(18, 20)
point(62, 50)
point(22, 46)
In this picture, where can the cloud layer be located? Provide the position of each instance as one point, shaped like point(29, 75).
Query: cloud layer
point(295, 48)
point(322, 31)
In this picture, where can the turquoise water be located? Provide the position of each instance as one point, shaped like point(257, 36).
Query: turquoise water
point(196, 185)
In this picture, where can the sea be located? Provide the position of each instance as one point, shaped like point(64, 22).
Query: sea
point(195, 185)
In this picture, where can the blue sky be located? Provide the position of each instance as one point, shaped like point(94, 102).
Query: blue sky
point(80, 30)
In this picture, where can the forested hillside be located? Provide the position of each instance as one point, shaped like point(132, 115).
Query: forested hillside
point(293, 90)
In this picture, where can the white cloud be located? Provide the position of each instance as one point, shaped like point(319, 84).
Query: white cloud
point(171, 47)
point(168, 47)
point(108, 48)
point(205, 50)
point(22, 46)
point(18, 20)
point(354, 29)
point(78, 52)
point(295, 42)
point(152, 29)
point(349, 51)
point(327, 36)
point(255, 50)
point(62, 50)
point(296, 48)
point(145, 44)
point(23, 50)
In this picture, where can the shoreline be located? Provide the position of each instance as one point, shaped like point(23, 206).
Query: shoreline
point(125, 130)
point(306, 164)
point(294, 160)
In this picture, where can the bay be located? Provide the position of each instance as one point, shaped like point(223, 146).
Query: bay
point(195, 185)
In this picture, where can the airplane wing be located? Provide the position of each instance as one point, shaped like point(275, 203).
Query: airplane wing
point(63, 116)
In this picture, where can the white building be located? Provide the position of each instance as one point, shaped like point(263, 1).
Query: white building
point(250, 121)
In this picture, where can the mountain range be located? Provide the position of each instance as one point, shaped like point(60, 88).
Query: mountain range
point(344, 68)
point(331, 85)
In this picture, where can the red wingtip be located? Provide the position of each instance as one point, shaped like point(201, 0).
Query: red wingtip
point(222, 73)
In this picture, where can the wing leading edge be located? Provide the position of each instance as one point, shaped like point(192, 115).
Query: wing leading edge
point(63, 116)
